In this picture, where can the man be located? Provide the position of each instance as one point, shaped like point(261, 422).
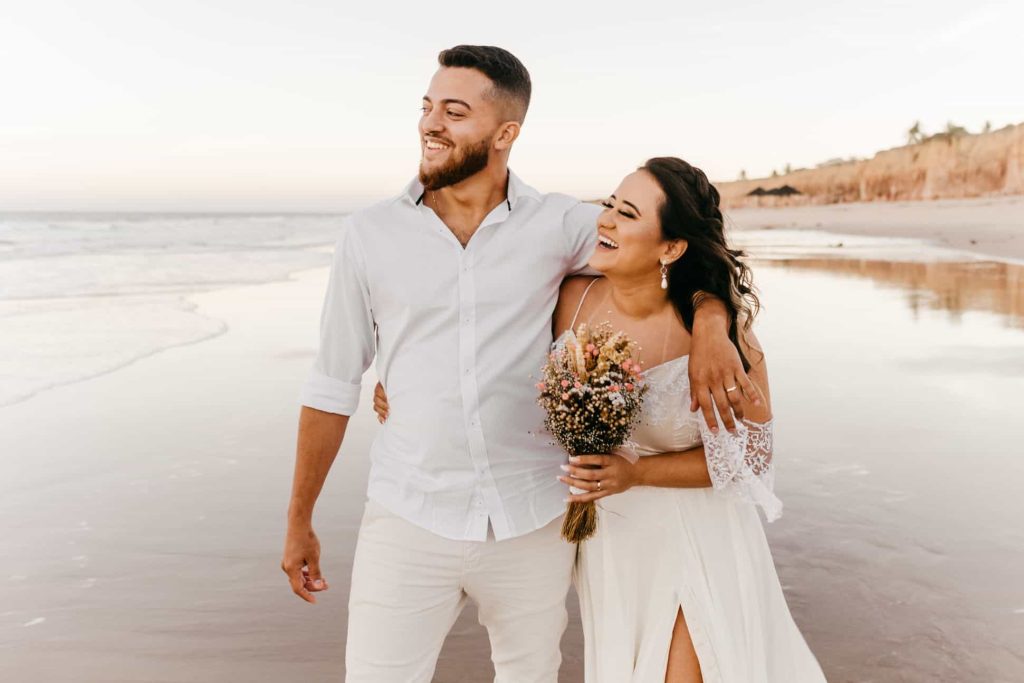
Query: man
point(451, 285)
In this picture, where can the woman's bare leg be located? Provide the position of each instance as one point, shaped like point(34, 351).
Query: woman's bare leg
point(683, 666)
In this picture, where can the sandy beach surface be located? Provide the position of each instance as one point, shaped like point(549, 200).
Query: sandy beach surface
point(143, 509)
point(144, 514)
point(993, 226)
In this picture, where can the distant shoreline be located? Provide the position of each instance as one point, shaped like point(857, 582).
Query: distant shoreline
point(128, 214)
point(989, 226)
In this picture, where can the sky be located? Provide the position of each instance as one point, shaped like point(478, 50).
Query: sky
point(309, 105)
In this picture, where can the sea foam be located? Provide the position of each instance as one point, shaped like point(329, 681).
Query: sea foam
point(84, 294)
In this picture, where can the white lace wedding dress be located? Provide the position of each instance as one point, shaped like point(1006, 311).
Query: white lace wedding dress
point(704, 550)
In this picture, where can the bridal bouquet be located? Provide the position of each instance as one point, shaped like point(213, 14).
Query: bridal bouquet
point(592, 390)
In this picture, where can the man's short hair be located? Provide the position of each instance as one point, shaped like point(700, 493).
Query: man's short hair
point(510, 78)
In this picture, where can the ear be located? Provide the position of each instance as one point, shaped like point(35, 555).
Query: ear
point(674, 251)
point(506, 135)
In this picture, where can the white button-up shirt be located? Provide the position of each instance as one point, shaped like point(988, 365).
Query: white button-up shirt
point(460, 335)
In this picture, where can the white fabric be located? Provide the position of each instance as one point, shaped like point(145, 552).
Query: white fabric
point(458, 335)
point(741, 463)
point(409, 585)
point(659, 550)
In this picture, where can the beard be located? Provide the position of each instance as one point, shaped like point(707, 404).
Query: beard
point(459, 167)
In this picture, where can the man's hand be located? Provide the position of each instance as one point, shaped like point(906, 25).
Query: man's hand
point(302, 562)
point(716, 372)
point(380, 403)
point(615, 474)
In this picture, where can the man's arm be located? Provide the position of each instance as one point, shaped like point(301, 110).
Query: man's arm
point(329, 396)
point(579, 225)
point(715, 367)
point(320, 437)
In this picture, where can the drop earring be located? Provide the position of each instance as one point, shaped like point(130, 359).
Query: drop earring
point(664, 275)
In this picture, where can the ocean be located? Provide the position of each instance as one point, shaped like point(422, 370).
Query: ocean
point(85, 294)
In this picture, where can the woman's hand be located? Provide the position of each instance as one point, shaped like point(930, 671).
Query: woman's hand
point(380, 403)
point(600, 475)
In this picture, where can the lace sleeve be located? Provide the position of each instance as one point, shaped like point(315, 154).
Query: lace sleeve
point(741, 463)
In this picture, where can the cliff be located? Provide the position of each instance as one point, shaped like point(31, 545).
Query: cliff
point(943, 166)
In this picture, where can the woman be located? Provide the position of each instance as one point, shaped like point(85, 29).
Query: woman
point(678, 583)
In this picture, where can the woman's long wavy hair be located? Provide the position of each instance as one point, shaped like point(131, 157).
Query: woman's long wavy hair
point(708, 267)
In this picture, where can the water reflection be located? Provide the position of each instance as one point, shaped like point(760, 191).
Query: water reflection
point(955, 287)
point(896, 375)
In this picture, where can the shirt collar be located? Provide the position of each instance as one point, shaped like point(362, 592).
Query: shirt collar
point(517, 190)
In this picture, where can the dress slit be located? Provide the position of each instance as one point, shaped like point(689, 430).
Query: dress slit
point(699, 640)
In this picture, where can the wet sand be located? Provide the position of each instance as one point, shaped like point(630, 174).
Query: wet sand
point(144, 515)
point(143, 510)
point(899, 440)
point(991, 226)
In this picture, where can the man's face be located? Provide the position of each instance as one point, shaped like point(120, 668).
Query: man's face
point(457, 128)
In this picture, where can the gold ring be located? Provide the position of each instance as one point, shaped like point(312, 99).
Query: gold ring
point(598, 484)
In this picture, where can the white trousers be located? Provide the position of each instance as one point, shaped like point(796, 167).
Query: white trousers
point(409, 585)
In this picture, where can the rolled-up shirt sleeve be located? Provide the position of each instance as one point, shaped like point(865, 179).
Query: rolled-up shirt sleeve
point(346, 332)
point(580, 228)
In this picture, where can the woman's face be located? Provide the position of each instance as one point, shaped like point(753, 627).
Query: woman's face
point(629, 237)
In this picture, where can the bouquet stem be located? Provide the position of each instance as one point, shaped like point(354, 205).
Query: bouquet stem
point(580, 522)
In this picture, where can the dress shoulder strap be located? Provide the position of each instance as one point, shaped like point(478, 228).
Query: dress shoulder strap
point(572, 325)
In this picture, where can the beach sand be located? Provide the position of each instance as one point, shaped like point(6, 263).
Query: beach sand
point(144, 509)
point(992, 227)
point(144, 515)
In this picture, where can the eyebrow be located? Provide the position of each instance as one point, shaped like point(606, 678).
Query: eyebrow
point(624, 201)
point(450, 101)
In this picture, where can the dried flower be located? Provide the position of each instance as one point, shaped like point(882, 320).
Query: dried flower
point(598, 414)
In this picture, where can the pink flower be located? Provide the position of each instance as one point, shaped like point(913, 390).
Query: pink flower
point(565, 397)
point(578, 385)
point(541, 386)
point(614, 387)
point(565, 383)
point(629, 386)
